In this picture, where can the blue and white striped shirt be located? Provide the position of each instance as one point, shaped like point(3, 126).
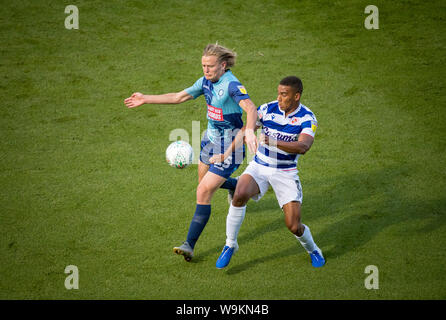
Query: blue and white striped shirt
point(279, 127)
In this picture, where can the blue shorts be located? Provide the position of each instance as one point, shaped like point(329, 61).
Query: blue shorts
point(225, 169)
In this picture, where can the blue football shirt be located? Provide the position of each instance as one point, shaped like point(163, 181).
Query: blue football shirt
point(222, 99)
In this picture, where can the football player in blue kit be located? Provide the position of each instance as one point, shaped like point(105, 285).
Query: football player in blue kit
point(226, 99)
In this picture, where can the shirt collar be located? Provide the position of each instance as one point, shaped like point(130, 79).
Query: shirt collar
point(292, 113)
point(221, 78)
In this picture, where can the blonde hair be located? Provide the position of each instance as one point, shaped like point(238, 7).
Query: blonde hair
point(222, 54)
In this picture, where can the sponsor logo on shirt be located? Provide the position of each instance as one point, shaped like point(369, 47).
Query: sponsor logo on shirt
point(215, 113)
point(279, 136)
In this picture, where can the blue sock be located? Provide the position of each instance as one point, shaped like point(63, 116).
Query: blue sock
point(230, 184)
point(201, 217)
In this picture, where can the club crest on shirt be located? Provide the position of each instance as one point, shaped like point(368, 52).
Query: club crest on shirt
point(242, 89)
point(221, 92)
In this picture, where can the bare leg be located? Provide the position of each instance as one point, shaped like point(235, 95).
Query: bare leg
point(292, 218)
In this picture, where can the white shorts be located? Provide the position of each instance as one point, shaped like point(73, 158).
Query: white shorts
point(285, 182)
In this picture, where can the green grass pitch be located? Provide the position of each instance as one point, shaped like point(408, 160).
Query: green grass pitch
point(84, 181)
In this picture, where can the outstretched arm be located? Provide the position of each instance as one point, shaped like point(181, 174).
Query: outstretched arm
point(137, 99)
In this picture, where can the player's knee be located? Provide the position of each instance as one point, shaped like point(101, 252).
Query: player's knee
point(240, 198)
point(238, 202)
point(200, 190)
point(203, 192)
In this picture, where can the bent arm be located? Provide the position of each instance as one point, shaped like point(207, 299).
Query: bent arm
point(251, 114)
point(301, 146)
point(251, 117)
point(236, 143)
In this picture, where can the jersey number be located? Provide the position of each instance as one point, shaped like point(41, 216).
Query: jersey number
point(224, 165)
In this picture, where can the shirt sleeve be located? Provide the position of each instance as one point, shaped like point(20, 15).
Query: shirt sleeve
point(237, 91)
point(309, 126)
point(261, 110)
point(196, 89)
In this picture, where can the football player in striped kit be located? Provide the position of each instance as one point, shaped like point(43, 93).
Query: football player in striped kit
point(288, 132)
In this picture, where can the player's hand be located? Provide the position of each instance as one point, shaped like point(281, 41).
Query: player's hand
point(251, 140)
point(135, 100)
point(218, 158)
point(263, 139)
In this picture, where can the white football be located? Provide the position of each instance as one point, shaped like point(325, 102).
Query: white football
point(179, 154)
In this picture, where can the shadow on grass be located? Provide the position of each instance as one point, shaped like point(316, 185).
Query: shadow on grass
point(237, 268)
point(270, 227)
point(368, 202)
point(364, 204)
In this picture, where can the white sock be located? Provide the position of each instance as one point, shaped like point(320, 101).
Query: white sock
point(306, 240)
point(234, 221)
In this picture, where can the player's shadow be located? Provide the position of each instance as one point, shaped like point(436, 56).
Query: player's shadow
point(237, 268)
point(367, 203)
point(362, 205)
point(267, 228)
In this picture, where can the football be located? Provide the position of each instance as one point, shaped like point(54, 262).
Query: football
point(179, 154)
